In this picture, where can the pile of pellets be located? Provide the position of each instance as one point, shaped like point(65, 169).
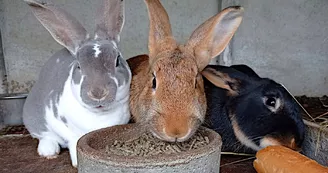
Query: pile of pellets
point(148, 145)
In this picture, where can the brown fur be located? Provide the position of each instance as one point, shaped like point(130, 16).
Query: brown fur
point(177, 106)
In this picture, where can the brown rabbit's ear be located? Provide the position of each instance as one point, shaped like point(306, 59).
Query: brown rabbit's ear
point(211, 38)
point(160, 34)
point(221, 80)
point(63, 27)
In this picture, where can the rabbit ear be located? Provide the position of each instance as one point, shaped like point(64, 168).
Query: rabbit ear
point(211, 38)
point(110, 20)
point(221, 80)
point(246, 70)
point(160, 34)
point(63, 27)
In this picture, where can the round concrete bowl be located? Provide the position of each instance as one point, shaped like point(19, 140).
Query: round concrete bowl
point(92, 157)
point(315, 143)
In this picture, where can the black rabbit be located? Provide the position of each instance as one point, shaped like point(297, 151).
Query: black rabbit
point(250, 112)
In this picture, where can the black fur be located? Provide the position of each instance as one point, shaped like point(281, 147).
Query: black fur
point(252, 115)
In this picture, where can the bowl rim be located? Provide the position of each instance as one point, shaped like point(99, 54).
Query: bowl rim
point(10, 96)
point(315, 125)
point(86, 150)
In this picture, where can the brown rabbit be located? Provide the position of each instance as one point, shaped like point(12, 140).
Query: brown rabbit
point(167, 90)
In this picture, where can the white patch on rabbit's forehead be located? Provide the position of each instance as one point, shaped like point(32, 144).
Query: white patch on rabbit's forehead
point(115, 45)
point(96, 49)
point(115, 80)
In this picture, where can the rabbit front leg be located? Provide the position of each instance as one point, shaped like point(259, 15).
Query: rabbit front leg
point(48, 148)
point(65, 135)
point(72, 151)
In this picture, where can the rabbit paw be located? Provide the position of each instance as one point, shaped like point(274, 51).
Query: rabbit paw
point(48, 148)
point(72, 152)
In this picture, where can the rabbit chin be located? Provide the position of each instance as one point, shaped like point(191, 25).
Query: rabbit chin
point(100, 107)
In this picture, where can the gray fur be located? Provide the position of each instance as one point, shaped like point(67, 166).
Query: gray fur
point(64, 120)
point(99, 70)
point(111, 21)
point(98, 73)
point(41, 96)
point(70, 36)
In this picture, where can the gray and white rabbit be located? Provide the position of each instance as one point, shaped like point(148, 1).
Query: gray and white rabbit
point(83, 87)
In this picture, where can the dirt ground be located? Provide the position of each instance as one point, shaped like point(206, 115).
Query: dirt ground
point(18, 153)
point(315, 106)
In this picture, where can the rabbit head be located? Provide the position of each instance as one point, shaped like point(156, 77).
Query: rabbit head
point(167, 88)
point(99, 71)
point(259, 111)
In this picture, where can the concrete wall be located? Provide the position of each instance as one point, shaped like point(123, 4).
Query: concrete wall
point(284, 40)
point(27, 45)
point(3, 81)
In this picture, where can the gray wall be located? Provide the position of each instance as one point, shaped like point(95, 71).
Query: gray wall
point(286, 40)
point(27, 45)
point(3, 81)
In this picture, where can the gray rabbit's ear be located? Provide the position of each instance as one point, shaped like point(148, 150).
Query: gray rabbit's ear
point(63, 27)
point(221, 80)
point(110, 20)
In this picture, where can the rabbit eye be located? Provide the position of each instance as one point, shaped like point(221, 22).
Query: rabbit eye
point(154, 82)
point(118, 60)
point(271, 102)
point(78, 66)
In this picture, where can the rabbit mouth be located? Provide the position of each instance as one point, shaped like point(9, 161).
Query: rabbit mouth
point(99, 106)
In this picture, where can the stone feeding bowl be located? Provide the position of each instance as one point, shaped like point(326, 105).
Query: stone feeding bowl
point(93, 157)
point(315, 143)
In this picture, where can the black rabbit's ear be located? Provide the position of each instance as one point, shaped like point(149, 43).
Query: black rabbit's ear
point(246, 70)
point(221, 80)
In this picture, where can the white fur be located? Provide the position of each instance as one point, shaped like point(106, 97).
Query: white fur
point(114, 43)
point(277, 105)
point(268, 142)
point(97, 50)
point(115, 80)
point(48, 147)
point(242, 137)
point(80, 118)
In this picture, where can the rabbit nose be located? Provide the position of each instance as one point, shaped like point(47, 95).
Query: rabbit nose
point(293, 145)
point(179, 134)
point(97, 94)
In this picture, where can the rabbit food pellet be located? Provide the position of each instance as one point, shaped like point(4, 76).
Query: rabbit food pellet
point(148, 145)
